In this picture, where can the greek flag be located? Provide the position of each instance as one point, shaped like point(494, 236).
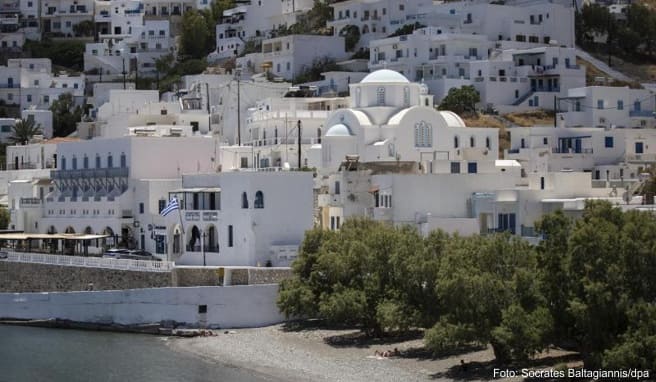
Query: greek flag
point(172, 206)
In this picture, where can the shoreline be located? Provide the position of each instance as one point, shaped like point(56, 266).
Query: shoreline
point(311, 355)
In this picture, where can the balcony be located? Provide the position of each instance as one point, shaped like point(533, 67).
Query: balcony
point(210, 216)
point(30, 202)
point(558, 150)
point(642, 113)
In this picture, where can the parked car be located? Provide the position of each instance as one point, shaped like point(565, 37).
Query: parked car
point(115, 253)
point(138, 254)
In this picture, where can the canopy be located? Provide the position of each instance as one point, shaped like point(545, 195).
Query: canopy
point(55, 236)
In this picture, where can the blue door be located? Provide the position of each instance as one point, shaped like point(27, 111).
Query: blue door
point(638, 148)
point(577, 146)
point(511, 223)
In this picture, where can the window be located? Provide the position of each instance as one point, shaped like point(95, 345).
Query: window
point(194, 126)
point(488, 144)
point(110, 161)
point(381, 96)
point(161, 204)
point(472, 141)
point(63, 163)
point(46, 99)
point(337, 188)
point(577, 106)
point(98, 164)
point(506, 222)
point(620, 105)
point(423, 134)
point(639, 148)
point(123, 161)
point(29, 98)
point(259, 200)
point(141, 208)
point(74, 163)
point(244, 200)
point(608, 142)
point(456, 142)
point(472, 167)
point(545, 141)
point(202, 309)
point(332, 223)
point(85, 162)
point(230, 236)
point(542, 183)
point(455, 167)
point(600, 104)
point(5, 129)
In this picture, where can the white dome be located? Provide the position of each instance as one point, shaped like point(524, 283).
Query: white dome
point(385, 75)
point(339, 130)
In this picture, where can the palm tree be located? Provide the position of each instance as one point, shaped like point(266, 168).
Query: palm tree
point(23, 131)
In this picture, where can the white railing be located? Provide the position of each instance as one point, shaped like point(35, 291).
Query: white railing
point(92, 262)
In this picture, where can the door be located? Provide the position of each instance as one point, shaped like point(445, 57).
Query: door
point(638, 148)
point(577, 146)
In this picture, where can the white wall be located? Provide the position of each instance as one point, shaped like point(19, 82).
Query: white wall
point(227, 307)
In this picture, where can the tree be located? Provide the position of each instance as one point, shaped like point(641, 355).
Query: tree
point(23, 131)
point(351, 34)
point(65, 115)
point(407, 29)
point(213, 15)
point(487, 293)
point(461, 100)
point(4, 218)
point(194, 36)
point(84, 28)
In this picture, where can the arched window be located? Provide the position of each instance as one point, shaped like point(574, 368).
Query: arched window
point(244, 200)
point(110, 161)
point(85, 162)
point(63, 162)
point(259, 200)
point(456, 142)
point(98, 164)
point(380, 96)
point(123, 161)
point(472, 141)
point(74, 162)
point(423, 134)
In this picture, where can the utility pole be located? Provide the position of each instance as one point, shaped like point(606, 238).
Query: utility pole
point(136, 72)
point(609, 41)
point(238, 109)
point(209, 115)
point(555, 111)
point(299, 143)
point(124, 73)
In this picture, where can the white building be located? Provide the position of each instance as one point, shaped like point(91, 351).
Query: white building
point(240, 218)
point(253, 21)
point(29, 82)
point(60, 16)
point(128, 42)
point(514, 79)
point(113, 186)
point(606, 106)
point(520, 25)
point(394, 158)
point(291, 56)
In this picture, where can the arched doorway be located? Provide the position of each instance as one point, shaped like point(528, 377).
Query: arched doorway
point(127, 237)
point(177, 242)
point(52, 244)
point(109, 241)
point(69, 245)
point(85, 243)
point(193, 239)
point(211, 239)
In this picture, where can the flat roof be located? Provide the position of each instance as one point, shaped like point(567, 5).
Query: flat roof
point(197, 189)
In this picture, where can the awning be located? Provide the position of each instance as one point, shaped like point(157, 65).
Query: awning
point(373, 189)
point(54, 236)
point(198, 189)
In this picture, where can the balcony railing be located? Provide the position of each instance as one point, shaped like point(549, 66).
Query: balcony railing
point(210, 216)
point(642, 113)
point(92, 262)
point(558, 150)
point(30, 202)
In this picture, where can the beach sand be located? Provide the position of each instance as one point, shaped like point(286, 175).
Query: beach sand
point(335, 355)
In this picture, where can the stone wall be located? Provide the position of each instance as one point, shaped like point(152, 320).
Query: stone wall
point(239, 277)
point(268, 275)
point(30, 277)
point(187, 277)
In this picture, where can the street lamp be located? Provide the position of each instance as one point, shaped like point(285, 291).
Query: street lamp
point(202, 246)
point(124, 72)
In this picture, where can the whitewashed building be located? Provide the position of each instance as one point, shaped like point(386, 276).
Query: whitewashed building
point(127, 42)
point(608, 107)
point(58, 17)
point(245, 218)
point(513, 79)
point(290, 56)
point(253, 21)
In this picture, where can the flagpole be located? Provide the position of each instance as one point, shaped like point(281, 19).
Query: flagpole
point(181, 223)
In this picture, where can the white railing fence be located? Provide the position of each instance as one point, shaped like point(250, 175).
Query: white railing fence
point(92, 262)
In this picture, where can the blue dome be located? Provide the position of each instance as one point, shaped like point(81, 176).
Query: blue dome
point(339, 130)
point(385, 75)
